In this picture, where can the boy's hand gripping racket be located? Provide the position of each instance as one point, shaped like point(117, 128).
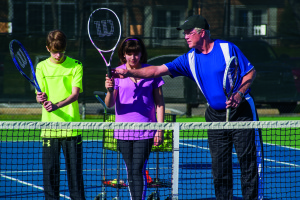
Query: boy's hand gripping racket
point(104, 29)
point(23, 62)
point(230, 76)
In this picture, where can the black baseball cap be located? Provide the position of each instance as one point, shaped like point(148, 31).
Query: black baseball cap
point(194, 21)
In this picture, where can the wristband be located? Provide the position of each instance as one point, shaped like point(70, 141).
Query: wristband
point(241, 94)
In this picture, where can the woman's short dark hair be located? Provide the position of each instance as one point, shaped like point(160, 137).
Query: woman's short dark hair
point(132, 45)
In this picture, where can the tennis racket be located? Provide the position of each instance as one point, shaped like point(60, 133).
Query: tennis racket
point(229, 80)
point(97, 95)
point(23, 62)
point(104, 29)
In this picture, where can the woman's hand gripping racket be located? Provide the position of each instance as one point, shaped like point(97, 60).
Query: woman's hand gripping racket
point(104, 29)
point(23, 62)
point(229, 80)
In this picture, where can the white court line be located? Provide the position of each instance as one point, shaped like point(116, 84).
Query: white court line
point(192, 145)
point(293, 148)
point(85, 170)
point(265, 159)
point(20, 172)
point(29, 184)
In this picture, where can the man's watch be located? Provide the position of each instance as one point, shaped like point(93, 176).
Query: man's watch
point(241, 94)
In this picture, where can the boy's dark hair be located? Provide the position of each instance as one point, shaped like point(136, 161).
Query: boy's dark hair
point(56, 41)
point(132, 45)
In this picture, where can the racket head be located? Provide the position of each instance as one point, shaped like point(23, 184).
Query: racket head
point(104, 29)
point(23, 62)
point(230, 76)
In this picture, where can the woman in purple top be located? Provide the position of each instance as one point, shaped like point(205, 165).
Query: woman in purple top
point(136, 100)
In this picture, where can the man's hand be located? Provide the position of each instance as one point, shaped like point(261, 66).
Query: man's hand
point(159, 137)
point(119, 73)
point(49, 106)
point(234, 101)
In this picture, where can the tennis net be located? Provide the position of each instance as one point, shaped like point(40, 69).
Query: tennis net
point(180, 170)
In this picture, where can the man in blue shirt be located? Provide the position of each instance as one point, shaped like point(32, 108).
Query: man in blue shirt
point(205, 64)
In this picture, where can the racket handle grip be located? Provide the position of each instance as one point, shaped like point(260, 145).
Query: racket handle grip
point(109, 76)
point(228, 114)
point(110, 89)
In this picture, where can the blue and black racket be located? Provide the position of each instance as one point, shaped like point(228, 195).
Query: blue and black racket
point(98, 95)
point(229, 79)
point(23, 62)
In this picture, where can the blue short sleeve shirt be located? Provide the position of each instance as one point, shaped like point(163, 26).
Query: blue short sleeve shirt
point(207, 70)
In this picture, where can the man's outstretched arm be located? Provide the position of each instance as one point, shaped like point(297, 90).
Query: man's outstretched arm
point(146, 72)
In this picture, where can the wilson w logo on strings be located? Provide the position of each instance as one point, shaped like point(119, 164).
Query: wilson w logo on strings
point(102, 32)
point(21, 58)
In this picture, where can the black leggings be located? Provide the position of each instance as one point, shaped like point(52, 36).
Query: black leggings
point(135, 154)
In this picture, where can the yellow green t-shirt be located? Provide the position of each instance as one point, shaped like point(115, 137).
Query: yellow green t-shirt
point(57, 80)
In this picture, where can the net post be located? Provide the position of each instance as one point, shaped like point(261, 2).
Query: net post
point(175, 171)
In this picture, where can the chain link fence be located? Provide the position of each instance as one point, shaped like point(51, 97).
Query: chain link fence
point(266, 31)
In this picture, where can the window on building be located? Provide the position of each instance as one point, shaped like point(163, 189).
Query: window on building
point(249, 23)
point(166, 23)
point(39, 17)
point(242, 22)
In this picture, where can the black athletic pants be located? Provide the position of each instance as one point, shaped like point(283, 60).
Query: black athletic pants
point(135, 154)
point(72, 149)
point(221, 144)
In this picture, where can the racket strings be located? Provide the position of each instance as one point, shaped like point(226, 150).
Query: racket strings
point(21, 58)
point(232, 75)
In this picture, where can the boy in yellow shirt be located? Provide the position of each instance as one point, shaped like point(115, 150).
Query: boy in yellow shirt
point(60, 79)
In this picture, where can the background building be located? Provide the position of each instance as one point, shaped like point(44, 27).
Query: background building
point(276, 22)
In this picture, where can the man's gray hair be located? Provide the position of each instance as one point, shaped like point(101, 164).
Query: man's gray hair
point(199, 29)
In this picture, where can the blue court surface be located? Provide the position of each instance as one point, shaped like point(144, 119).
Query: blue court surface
point(21, 171)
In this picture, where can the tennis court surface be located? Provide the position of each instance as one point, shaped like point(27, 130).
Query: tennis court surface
point(179, 170)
